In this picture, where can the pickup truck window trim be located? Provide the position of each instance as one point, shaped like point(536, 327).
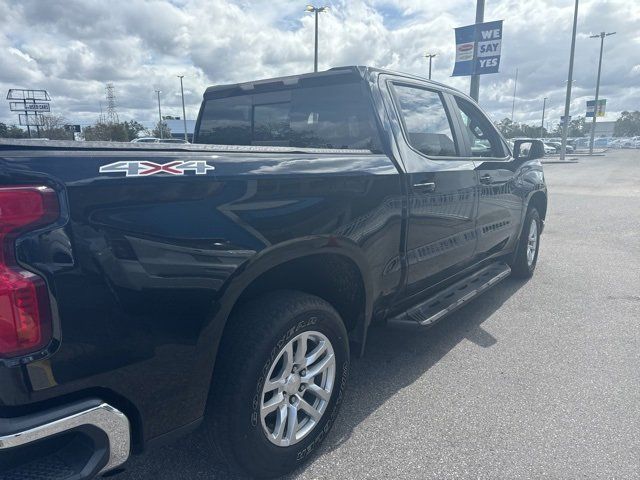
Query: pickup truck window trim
point(454, 127)
point(468, 141)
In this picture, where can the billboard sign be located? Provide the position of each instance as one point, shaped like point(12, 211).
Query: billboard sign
point(31, 120)
point(602, 106)
point(478, 49)
point(29, 107)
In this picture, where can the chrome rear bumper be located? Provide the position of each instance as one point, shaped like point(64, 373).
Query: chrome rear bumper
point(103, 417)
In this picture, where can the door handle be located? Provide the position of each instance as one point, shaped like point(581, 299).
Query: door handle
point(424, 187)
point(486, 179)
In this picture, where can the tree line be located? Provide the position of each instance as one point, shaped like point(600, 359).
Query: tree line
point(627, 125)
point(57, 128)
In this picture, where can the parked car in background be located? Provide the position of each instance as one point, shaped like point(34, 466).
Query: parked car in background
point(549, 149)
point(558, 146)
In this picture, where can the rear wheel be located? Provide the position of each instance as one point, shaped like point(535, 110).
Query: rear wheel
point(526, 256)
point(278, 383)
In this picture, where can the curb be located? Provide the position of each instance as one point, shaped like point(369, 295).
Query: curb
point(572, 160)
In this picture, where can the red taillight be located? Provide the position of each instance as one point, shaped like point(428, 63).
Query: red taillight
point(25, 313)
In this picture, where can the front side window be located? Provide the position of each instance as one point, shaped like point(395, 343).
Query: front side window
point(485, 140)
point(426, 122)
point(332, 116)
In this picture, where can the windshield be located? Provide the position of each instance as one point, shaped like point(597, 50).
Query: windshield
point(333, 116)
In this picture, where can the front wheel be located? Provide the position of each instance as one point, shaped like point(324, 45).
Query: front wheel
point(526, 256)
point(278, 383)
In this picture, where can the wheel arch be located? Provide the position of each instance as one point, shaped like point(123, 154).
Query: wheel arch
point(539, 200)
point(331, 268)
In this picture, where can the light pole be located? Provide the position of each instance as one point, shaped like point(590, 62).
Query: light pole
point(430, 56)
point(184, 112)
point(159, 115)
point(474, 89)
point(544, 105)
point(567, 102)
point(316, 11)
point(595, 107)
point(515, 86)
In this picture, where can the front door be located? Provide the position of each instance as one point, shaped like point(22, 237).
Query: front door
point(499, 205)
point(440, 239)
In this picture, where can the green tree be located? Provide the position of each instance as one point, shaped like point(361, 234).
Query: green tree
point(627, 125)
point(106, 132)
point(53, 128)
point(512, 129)
point(12, 131)
point(578, 127)
point(161, 127)
point(133, 128)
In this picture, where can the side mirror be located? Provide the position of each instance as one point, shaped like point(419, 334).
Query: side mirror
point(528, 149)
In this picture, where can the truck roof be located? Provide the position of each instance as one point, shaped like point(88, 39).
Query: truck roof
point(339, 74)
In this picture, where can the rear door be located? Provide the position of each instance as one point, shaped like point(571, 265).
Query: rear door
point(440, 238)
point(499, 204)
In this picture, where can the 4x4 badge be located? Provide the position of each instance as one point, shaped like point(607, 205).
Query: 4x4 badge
point(144, 168)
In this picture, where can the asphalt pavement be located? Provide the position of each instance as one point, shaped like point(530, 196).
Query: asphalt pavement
point(536, 379)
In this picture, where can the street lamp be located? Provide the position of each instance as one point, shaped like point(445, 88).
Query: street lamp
point(316, 11)
point(474, 87)
point(601, 36)
point(515, 87)
point(184, 114)
point(544, 106)
point(567, 100)
point(430, 56)
point(159, 114)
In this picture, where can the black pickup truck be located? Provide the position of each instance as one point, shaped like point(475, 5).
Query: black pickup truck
point(148, 290)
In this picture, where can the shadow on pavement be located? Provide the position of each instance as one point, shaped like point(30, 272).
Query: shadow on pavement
point(395, 357)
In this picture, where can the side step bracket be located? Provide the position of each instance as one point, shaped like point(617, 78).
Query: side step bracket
point(443, 303)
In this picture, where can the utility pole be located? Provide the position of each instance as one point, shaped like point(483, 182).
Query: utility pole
point(112, 114)
point(474, 89)
point(595, 108)
point(160, 129)
point(316, 11)
point(544, 105)
point(567, 102)
point(184, 114)
point(513, 105)
point(430, 56)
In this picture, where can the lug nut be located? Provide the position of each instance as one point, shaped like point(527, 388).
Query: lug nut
point(292, 399)
point(303, 372)
point(302, 388)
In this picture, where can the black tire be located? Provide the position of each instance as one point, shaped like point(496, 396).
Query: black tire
point(521, 267)
point(255, 336)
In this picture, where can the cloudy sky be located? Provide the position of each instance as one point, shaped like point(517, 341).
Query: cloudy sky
point(73, 48)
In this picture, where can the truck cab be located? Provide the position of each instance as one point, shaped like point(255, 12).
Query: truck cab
point(147, 290)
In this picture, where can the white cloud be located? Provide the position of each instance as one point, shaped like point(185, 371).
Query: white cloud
point(74, 47)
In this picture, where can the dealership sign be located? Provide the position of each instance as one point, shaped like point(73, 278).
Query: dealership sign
point(478, 49)
point(27, 120)
point(591, 106)
point(29, 107)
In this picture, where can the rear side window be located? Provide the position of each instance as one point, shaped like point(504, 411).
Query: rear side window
point(332, 116)
point(485, 140)
point(426, 122)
